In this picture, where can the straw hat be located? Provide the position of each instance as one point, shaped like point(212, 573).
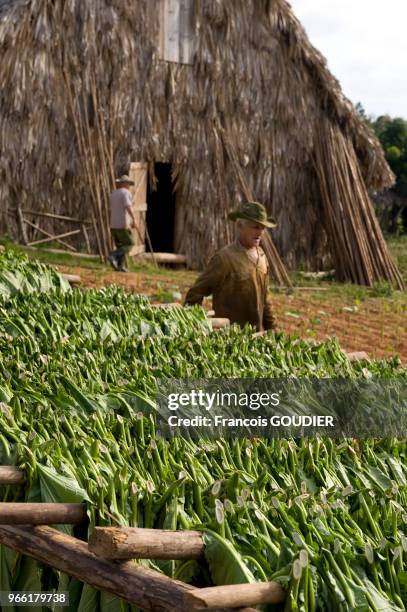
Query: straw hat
point(124, 179)
point(253, 211)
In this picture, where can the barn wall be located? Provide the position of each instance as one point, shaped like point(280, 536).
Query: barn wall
point(247, 105)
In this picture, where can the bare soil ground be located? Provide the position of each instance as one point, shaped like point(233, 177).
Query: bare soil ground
point(377, 325)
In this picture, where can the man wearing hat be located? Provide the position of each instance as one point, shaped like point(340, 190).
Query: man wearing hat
point(122, 219)
point(237, 275)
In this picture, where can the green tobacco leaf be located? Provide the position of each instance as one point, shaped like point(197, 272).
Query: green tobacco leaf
point(57, 488)
point(7, 562)
point(382, 604)
point(110, 603)
point(225, 563)
point(89, 601)
point(379, 478)
point(29, 578)
point(187, 571)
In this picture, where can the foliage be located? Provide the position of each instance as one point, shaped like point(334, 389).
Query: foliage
point(392, 134)
point(17, 274)
point(324, 517)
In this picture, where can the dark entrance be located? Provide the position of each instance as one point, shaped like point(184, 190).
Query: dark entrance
point(160, 214)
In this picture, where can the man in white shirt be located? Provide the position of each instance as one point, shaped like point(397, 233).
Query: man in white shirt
point(122, 219)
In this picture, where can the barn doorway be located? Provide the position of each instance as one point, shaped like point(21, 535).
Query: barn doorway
point(160, 215)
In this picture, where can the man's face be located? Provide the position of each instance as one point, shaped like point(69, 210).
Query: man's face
point(250, 234)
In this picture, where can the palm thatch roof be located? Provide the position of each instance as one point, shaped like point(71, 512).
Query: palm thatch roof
point(84, 92)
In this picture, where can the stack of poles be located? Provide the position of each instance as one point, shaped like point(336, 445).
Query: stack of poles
point(96, 153)
point(277, 269)
point(23, 527)
point(359, 251)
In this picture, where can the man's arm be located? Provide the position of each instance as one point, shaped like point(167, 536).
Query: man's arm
point(132, 217)
point(129, 208)
point(269, 321)
point(206, 282)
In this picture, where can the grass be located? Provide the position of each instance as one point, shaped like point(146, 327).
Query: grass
point(398, 248)
point(326, 288)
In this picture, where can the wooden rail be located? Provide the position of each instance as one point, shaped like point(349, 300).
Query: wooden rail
point(73, 279)
point(64, 252)
point(164, 258)
point(167, 305)
point(12, 513)
point(136, 584)
point(219, 322)
point(236, 595)
point(22, 528)
point(11, 475)
point(54, 238)
point(134, 543)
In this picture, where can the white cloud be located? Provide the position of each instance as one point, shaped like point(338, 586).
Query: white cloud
point(365, 43)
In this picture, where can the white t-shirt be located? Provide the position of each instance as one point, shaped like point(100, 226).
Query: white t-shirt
point(120, 202)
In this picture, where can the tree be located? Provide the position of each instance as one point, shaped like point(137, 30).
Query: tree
point(392, 134)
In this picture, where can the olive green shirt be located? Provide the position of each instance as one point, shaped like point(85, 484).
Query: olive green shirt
point(238, 285)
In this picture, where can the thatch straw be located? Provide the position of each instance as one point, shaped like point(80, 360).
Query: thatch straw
point(84, 93)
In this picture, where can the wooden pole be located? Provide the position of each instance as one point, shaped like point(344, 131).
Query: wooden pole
point(64, 252)
point(54, 216)
point(135, 584)
point(219, 322)
point(82, 151)
point(43, 240)
point(277, 268)
point(37, 227)
point(164, 258)
point(86, 236)
point(12, 513)
point(135, 543)
point(235, 595)
point(138, 585)
point(10, 475)
point(168, 305)
point(21, 224)
point(73, 279)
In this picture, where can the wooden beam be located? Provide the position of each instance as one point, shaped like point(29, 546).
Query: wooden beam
point(38, 228)
point(309, 288)
point(357, 356)
point(63, 252)
point(165, 258)
point(136, 584)
point(135, 543)
point(137, 249)
point(64, 235)
point(235, 595)
point(54, 216)
point(260, 333)
point(16, 513)
point(74, 279)
point(11, 475)
point(219, 322)
point(86, 237)
point(21, 224)
point(167, 305)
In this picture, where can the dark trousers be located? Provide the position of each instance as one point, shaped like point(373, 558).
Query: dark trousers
point(123, 239)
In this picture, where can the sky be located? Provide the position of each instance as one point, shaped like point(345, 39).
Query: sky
point(365, 43)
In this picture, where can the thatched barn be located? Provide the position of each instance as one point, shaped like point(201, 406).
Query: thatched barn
point(219, 98)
